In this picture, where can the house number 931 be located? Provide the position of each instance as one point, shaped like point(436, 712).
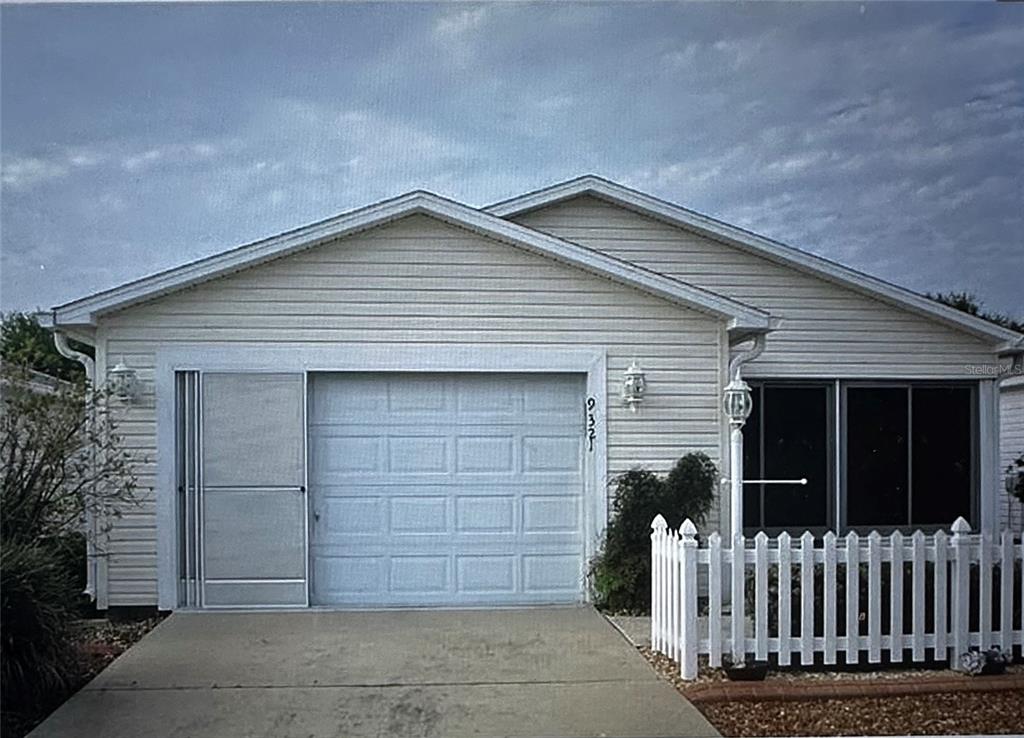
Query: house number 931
point(591, 423)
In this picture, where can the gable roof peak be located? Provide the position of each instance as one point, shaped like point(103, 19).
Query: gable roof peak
point(1006, 341)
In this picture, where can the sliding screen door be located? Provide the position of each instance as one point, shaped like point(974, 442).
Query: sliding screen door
point(253, 511)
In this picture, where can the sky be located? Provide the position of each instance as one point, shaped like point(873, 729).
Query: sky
point(888, 137)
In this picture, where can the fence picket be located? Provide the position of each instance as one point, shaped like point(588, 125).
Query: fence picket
point(785, 624)
point(673, 595)
point(852, 598)
point(738, 618)
point(658, 526)
point(829, 595)
point(896, 597)
point(874, 597)
point(1006, 591)
point(918, 567)
point(807, 598)
point(688, 569)
point(715, 600)
point(761, 596)
point(961, 592)
point(941, 594)
point(985, 590)
point(1020, 626)
point(676, 559)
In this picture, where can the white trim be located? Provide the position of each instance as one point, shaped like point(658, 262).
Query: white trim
point(1008, 341)
point(990, 476)
point(740, 316)
point(359, 358)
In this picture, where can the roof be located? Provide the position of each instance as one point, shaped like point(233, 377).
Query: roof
point(741, 318)
point(1005, 340)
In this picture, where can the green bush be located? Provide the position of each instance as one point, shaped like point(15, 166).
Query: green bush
point(621, 573)
point(37, 594)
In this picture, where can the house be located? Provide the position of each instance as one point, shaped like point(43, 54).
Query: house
point(1011, 440)
point(421, 403)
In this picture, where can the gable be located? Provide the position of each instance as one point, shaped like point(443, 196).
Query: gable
point(85, 311)
point(827, 329)
point(416, 275)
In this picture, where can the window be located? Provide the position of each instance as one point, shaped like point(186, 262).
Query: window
point(787, 437)
point(908, 452)
point(909, 455)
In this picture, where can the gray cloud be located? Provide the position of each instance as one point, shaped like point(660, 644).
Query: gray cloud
point(890, 138)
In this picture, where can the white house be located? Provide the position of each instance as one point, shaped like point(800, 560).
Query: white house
point(421, 403)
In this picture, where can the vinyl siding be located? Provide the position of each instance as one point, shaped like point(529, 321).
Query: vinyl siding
point(419, 281)
point(828, 330)
point(1011, 444)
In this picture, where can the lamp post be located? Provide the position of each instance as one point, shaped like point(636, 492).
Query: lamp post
point(737, 404)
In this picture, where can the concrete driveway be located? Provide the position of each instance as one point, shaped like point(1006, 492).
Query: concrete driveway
point(551, 671)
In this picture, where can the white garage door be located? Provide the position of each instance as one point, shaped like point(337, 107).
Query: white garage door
point(442, 489)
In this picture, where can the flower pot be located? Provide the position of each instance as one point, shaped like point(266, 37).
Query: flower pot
point(748, 671)
point(993, 668)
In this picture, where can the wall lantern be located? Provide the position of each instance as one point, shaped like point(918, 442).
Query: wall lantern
point(634, 384)
point(124, 382)
point(737, 402)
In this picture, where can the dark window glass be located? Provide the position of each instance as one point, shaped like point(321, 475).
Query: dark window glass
point(796, 446)
point(752, 464)
point(941, 446)
point(876, 456)
point(787, 437)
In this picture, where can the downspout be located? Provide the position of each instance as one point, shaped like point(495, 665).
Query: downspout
point(745, 357)
point(87, 362)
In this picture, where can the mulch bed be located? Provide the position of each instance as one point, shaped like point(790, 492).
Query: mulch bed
point(97, 643)
point(896, 702)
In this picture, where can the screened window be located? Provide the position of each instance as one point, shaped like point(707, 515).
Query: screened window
point(787, 437)
point(909, 455)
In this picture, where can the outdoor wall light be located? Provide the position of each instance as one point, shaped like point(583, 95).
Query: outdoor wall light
point(124, 383)
point(634, 384)
point(737, 402)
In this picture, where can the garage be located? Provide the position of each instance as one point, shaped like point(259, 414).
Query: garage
point(446, 489)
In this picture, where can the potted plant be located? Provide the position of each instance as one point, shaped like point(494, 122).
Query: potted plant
point(747, 670)
point(985, 663)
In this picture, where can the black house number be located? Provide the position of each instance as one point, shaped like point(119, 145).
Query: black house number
point(591, 424)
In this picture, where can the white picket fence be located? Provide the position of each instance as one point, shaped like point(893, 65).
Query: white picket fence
point(947, 574)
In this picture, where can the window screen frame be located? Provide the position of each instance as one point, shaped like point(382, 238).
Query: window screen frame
point(829, 386)
point(843, 459)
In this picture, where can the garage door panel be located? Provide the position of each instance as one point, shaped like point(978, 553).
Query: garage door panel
point(416, 515)
point(339, 577)
point(478, 499)
point(481, 574)
point(485, 514)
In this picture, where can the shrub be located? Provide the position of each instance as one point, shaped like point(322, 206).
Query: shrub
point(61, 464)
point(621, 572)
point(1015, 472)
point(36, 597)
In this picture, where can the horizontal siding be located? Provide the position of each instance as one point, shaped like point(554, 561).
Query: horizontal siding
point(828, 330)
point(419, 281)
point(1011, 445)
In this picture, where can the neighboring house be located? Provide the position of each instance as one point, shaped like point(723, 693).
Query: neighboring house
point(419, 402)
point(1011, 439)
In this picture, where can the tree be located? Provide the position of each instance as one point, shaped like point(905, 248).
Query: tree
point(61, 460)
point(970, 304)
point(25, 343)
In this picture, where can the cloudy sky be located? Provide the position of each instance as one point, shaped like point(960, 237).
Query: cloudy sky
point(888, 137)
